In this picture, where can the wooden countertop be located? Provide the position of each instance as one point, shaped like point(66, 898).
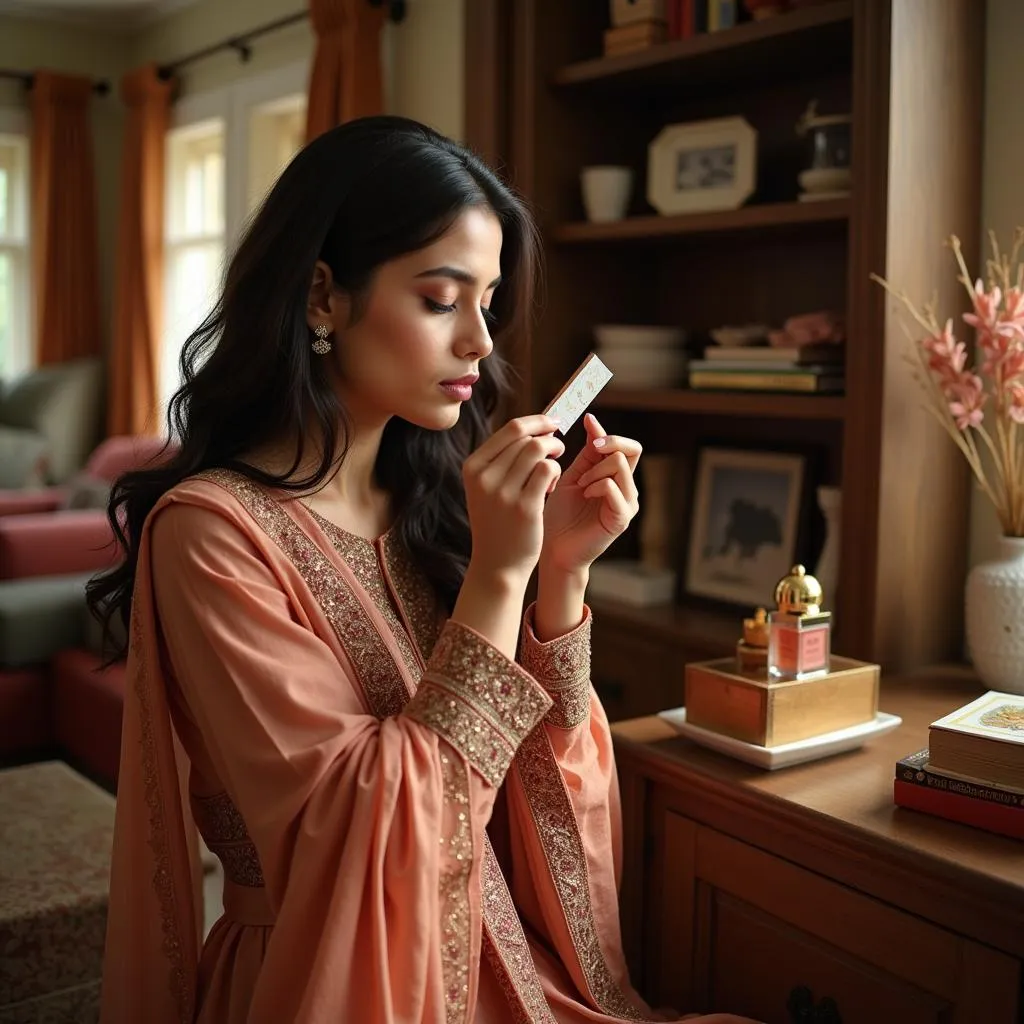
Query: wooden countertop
point(847, 801)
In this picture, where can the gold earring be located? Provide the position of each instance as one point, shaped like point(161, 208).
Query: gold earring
point(321, 346)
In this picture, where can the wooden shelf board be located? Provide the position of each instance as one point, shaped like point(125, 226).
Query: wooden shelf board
point(746, 218)
point(725, 403)
point(695, 628)
point(800, 42)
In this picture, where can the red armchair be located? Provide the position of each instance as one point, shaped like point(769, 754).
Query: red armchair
point(43, 544)
point(111, 458)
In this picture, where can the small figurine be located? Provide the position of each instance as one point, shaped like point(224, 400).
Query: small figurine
point(752, 650)
point(799, 633)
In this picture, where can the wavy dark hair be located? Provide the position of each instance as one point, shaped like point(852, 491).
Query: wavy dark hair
point(355, 197)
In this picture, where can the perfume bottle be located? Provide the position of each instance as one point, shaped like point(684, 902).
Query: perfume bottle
point(799, 632)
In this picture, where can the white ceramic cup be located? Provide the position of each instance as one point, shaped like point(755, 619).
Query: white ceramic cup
point(606, 192)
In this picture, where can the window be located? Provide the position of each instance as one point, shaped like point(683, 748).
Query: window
point(15, 290)
point(194, 239)
point(223, 155)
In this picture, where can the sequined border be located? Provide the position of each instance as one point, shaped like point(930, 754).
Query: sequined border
point(224, 830)
point(454, 885)
point(163, 876)
point(507, 949)
point(361, 557)
point(562, 667)
point(421, 605)
point(480, 702)
point(558, 830)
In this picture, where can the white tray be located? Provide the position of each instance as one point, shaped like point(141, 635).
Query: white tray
point(810, 749)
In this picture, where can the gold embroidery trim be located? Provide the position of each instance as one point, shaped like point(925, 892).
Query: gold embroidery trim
point(558, 830)
point(163, 877)
point(478, 701)
point(414, 591)
point(562, 667)
point(225, 832)
point(454, 890)
point(507, 949)
point(361, 557)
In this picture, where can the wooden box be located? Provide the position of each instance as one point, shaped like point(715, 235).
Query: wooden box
point(752, 707)
point(625, 12)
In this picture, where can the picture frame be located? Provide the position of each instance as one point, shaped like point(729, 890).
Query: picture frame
point(700, 166)
point(747, 514)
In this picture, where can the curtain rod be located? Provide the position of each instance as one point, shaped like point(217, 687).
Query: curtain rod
point(101, 86)
point(241, 43)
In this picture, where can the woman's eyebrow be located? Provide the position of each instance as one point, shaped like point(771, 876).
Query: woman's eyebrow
point(455, 274)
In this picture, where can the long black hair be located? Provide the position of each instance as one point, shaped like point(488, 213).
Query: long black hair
point(355, 197)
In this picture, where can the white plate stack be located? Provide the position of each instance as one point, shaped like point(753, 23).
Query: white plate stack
point(642, 356)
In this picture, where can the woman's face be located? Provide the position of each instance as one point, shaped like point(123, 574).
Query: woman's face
point(415, 350)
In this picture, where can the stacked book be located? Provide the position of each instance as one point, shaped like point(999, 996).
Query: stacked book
point(973, 768)
point(815, 368)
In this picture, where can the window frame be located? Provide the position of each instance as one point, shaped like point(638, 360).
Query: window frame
point(15, 121)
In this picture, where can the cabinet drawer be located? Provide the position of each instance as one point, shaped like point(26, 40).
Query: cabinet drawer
point(762, 968)
point(745, 932)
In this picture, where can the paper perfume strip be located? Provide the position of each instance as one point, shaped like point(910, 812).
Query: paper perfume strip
point(578, 392)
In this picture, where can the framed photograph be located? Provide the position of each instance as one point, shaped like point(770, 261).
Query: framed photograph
point(702, 166)
point(745, 522)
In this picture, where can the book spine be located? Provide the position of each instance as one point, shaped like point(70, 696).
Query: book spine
point(918, 775)
point(748, 381)
point(991, 817)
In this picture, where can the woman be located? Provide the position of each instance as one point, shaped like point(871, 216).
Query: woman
point(409, 783)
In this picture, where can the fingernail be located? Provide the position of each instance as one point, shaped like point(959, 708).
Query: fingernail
point(600, 442)
point(557, 420)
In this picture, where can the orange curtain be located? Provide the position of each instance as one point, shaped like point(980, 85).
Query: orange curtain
point(138, 281)
point(346, 79)
point(65, 251)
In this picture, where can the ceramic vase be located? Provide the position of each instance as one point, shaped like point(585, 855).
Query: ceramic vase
point(994, 617)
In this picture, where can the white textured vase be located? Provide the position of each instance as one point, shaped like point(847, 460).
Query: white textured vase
point(994, 618)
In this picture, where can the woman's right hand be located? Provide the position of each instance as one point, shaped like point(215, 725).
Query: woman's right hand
point(507, 479)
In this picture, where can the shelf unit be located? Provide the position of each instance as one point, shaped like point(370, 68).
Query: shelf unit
point(542, 104)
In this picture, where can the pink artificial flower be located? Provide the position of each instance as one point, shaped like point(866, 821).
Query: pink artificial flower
point(1012, 318)
point(1016, 406)
point(946, 356)
point(966, 399)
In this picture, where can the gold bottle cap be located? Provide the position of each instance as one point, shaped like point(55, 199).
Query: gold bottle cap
point(755, 630)
point(799, 593)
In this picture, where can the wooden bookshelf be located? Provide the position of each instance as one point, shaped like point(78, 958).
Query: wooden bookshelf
point(543, 103)
point(803, 41)
point(757, 217)
point(725, 403)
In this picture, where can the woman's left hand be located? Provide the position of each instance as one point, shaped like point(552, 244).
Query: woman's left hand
point(593, 502)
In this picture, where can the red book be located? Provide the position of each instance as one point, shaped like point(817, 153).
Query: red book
point(983, 814)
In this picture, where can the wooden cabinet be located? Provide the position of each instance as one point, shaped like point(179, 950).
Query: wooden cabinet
point(804, 896)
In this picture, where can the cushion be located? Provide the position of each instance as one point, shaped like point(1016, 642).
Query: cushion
point(39, 617)
point(64, 403)
point(25, 711)
point(87, 709)
point(56, 834)
point(24, 459)
point(86, 491)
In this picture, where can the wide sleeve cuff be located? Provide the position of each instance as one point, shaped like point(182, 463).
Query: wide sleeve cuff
point(562, 667)
point(480, 702)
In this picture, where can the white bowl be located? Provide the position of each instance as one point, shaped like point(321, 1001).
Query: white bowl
point(616, 336)
point(825, 179)
point(646, 367)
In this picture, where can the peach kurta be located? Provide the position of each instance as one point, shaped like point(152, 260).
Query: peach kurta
point(346, 751)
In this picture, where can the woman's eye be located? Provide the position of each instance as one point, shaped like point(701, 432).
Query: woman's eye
point(439, 307)
point(489, 318)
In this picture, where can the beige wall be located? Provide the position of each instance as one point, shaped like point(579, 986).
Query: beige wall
point(1002, 207)
point(26, 43)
